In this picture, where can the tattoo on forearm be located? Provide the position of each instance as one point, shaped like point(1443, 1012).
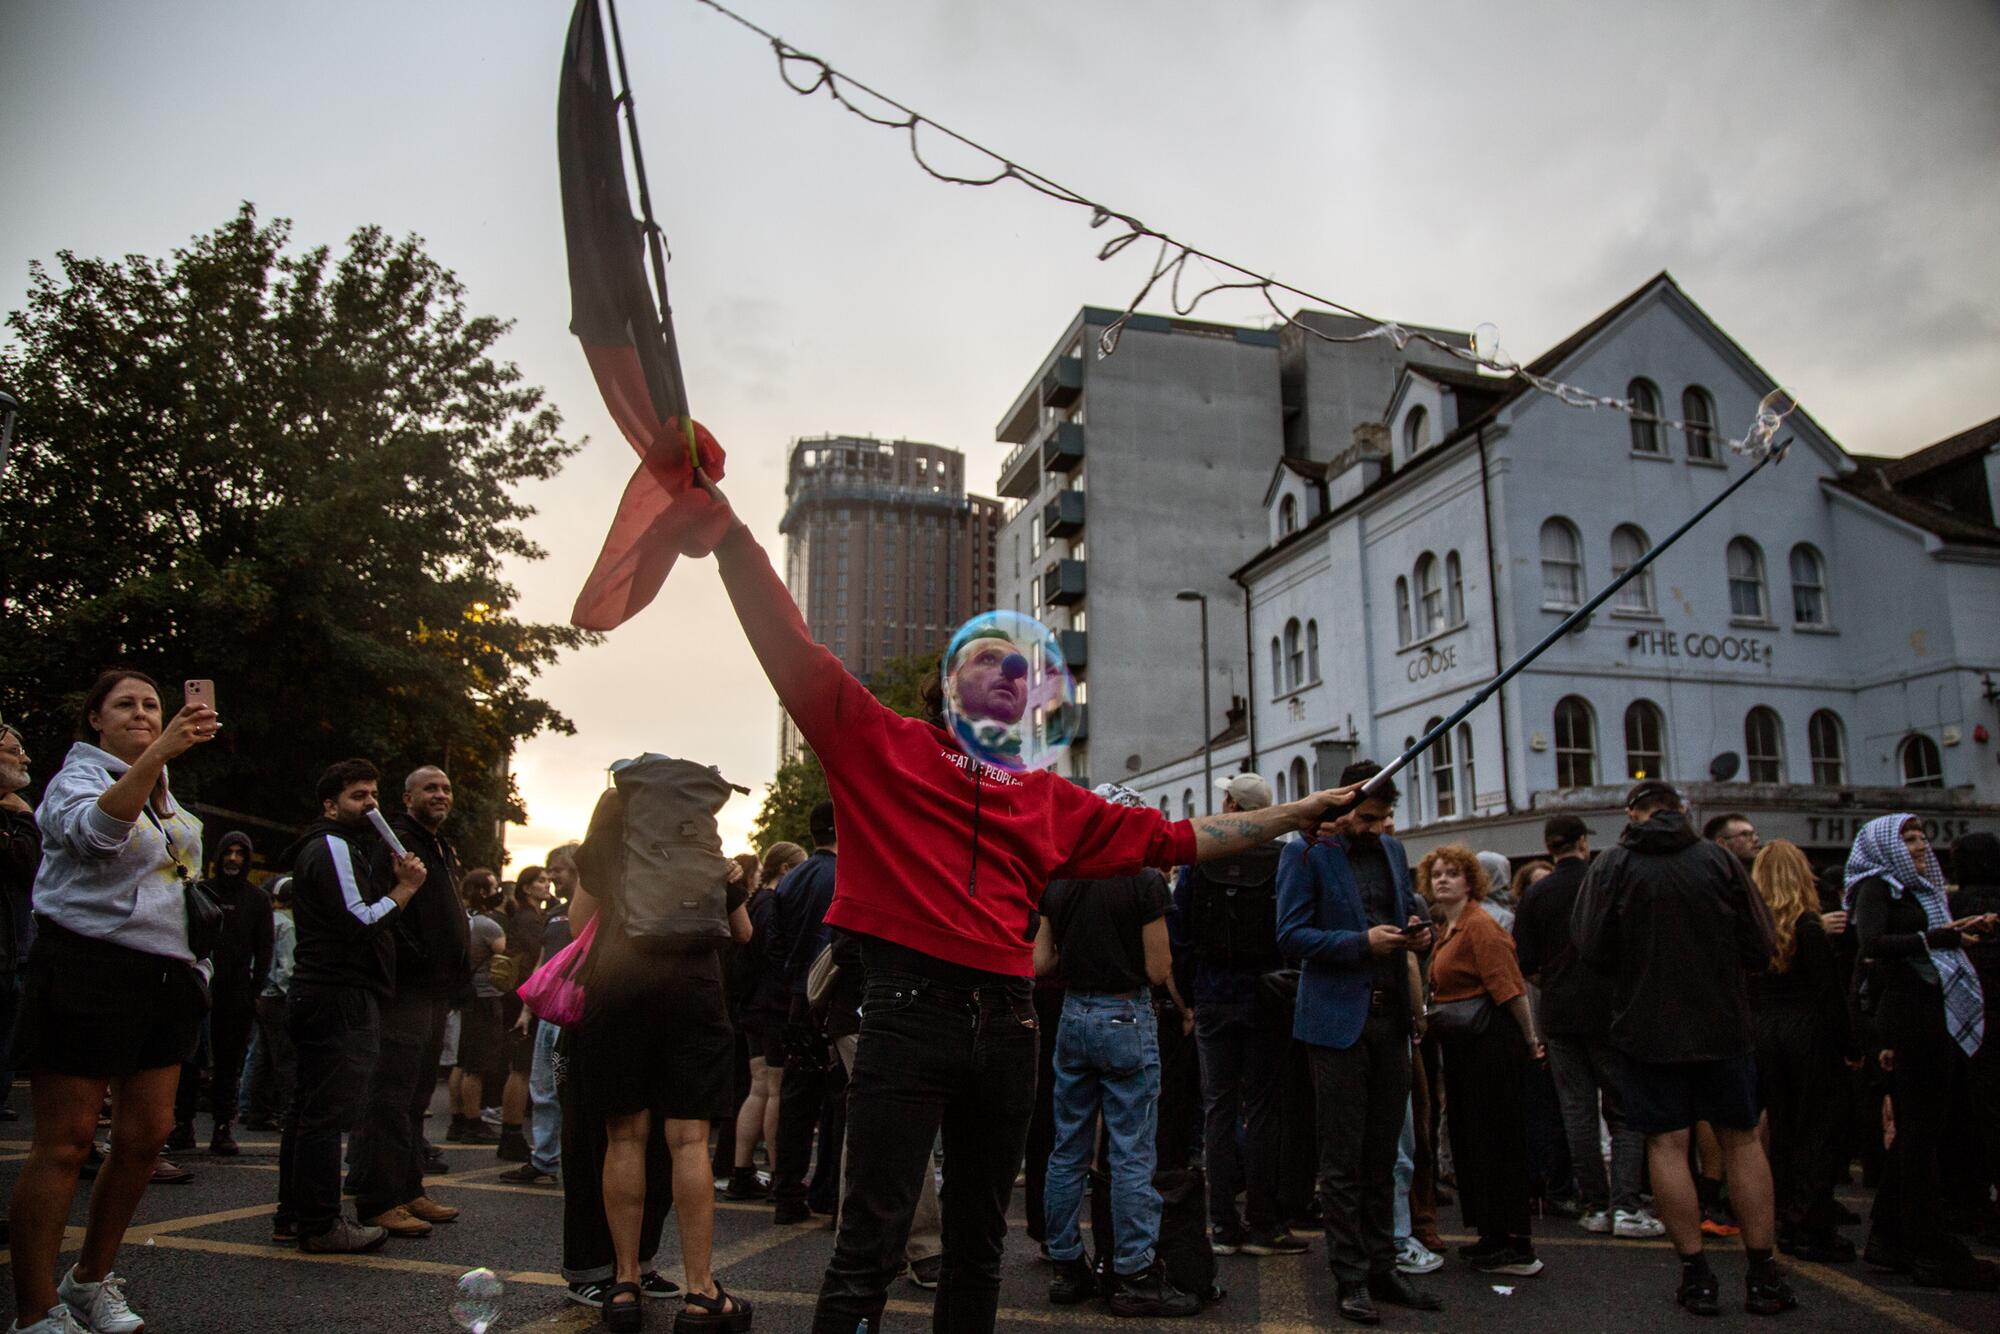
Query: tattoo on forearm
point(1226, 827)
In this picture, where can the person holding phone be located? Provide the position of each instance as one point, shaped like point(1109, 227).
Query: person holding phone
point(114, 996)
point(1348, 916)
point(1930, 1019)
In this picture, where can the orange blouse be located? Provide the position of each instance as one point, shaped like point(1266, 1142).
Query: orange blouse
point(1476, 956)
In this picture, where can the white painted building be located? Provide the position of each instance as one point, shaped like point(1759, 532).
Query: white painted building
point(1832, 627)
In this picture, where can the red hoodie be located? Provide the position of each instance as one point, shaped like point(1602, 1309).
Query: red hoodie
point(938, 852)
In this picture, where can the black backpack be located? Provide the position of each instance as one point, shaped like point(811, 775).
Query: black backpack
point(659, 855)
point(1233, 910)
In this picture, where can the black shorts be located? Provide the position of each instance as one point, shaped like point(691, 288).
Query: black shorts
point(520, 1045)
point(767, 1042)
point(99, 1010)
point(479, 1035)
point(655, 1036)
point(1662, 1098)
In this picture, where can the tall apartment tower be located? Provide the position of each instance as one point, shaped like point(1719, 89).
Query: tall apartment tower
point(885, 553)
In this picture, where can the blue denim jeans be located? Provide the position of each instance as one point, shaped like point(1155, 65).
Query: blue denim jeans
point(1107, 1061)
point(1406, 1172)
point(545, 1116)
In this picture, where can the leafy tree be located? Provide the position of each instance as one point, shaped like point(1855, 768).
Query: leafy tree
point(293, 474)
point(800, 783)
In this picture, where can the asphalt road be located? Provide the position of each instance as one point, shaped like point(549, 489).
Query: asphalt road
point(200, 1258)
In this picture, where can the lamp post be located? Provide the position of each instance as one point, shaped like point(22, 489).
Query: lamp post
point(1207, 718)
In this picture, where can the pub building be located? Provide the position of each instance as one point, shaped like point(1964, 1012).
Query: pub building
point(1821, 650)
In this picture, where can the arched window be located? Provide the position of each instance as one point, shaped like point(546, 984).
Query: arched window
point(1312, 650)
point(1576, 743)
point(1300, 783)
point(1826, 741)
point(1416, 811)
point(1277, 669)
point(1295, 656)
point(1649, 435)
point(1167, 807)
point(1746, 581)
point(1922, 765)
point(1645, 750)
point(1808, 586)
point(1288, 515)
point(1430, 596)
point(1763, 746)
point(1454, 590)
point(1403, 635)
point(1698, 422)
point(1562, 565)
point(1469, 784)
point(1444, 794)
point(1187, 803)
point(1279, 785)
point(1416, 432)
point(1628, 543)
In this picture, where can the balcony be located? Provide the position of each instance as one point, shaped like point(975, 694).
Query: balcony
point(1063, 515)
point(1075, 646)
point(1062, 583)
point(1063, 384)
point(1082, 732)
point(1062, 447)
point(1019, 477)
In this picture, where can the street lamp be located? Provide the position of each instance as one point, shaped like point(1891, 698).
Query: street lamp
point(1207, 718)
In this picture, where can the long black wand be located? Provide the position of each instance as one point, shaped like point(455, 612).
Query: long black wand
point(1570, 622)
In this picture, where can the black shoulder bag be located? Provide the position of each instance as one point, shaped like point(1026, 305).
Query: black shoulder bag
point(204, 913)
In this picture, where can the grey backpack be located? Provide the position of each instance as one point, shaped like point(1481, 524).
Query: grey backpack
point(675, 885)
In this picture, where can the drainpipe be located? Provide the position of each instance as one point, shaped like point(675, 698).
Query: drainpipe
point(1249, 676)
point(1493, 597)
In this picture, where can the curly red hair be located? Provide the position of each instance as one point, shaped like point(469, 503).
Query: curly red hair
point(1467, 862)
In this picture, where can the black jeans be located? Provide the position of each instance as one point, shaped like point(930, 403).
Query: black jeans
point(1799, 1077)
point(231, 1015)
point(334, 1034)
point(802, 1095)
point(387, 1154)
point(1240, 1065)
point(273, 1068)
point(1361, 1093)
point(931, 1054)
point(1042, 1124)
point(1485, 1087)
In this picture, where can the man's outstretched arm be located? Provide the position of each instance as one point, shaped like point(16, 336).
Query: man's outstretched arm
point(1221, 835)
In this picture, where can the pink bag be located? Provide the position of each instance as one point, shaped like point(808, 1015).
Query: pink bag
point(552, 991)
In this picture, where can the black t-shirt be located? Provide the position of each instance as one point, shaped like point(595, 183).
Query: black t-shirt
point(1097, 926)
point(1378, 896)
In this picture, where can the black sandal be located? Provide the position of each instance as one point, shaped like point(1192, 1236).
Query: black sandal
point(623, 1317)
point(720, 1314)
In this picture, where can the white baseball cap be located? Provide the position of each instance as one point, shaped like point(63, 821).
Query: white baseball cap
point(1249, 791)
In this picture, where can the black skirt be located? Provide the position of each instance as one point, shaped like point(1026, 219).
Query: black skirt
point(101, 1011)
point(655, 1035)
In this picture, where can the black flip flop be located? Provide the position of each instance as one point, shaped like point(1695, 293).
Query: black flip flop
point(623, 1317)
point(720, 1314)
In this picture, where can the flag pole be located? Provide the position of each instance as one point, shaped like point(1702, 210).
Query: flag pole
point(655, 248)
point(1569, 623)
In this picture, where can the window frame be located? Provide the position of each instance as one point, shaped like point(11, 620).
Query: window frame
point(1428, 580)
point(1288, 516)
point(1441, 768)
point(1416, 431)
point(1646, 713)
point(1698, 425)
point(1758, 577)
point(1567, 757)
point(1649, 433)
point(1404, 623)
point(1295, 656)
point(1816, 590)
point(1825, 724)
point(1914, 743)
point(1646, 604)
point(1312, 651)
point(1574, 566)
point(1771, 761)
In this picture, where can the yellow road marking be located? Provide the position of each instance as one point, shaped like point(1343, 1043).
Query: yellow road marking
point(1874, 1299)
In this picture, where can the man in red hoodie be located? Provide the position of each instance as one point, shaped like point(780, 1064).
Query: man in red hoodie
point(942, 859)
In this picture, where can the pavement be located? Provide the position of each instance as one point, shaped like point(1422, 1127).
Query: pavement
point(199, 1257)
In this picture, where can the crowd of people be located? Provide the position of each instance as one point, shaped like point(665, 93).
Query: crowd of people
point(1223, 1036)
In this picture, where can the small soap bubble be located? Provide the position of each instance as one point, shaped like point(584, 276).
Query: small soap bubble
point(1009, 697)
point(475, 1302)
point(1492, 358)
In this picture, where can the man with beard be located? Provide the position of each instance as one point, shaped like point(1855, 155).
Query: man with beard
point(433, 970)
point(342, 972)
point(1347, 913)
point(20, 854)
point(242, 960)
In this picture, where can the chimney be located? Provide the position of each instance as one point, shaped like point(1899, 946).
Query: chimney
point(1357, 467)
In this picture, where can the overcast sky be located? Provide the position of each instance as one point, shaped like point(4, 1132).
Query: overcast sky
point(1823, 178)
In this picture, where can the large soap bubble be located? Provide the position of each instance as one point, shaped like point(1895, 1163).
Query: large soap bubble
point(475, 1303)
point(1009, 698)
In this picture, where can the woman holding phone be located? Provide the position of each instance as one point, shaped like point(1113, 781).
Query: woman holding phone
point(114, 994)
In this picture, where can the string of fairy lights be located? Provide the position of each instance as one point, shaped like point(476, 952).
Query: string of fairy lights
point(807, 74)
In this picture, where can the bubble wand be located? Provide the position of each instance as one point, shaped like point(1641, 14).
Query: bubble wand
point(1770, 415)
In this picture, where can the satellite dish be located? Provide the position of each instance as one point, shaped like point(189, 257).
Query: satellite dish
point(1724, 766)
point(1132, 763)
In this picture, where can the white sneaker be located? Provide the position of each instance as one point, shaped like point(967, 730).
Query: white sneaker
point(1596, 1220)
point(58, 1321)
point(1637, 1224)
point(1413, 1257)
point(100, 1306)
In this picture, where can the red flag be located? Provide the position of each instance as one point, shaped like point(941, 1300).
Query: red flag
point(629, 343)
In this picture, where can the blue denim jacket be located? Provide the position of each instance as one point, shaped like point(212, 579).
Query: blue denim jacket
point(1323, 927)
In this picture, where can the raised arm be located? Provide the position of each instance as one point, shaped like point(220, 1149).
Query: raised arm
point(1221, 835)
